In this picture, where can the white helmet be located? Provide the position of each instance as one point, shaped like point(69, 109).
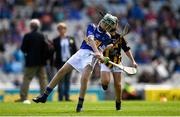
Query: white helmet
point(108, 22)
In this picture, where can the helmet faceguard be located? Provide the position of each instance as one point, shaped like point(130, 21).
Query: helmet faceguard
point(108, 23)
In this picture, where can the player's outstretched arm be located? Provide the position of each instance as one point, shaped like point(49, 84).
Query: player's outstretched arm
point(130, 56)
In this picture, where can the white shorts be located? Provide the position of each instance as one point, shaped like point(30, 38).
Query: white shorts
point(107, 69)
point(81, 59)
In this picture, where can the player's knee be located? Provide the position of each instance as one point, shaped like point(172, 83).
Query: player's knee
point(85, 79)
point(105, 82)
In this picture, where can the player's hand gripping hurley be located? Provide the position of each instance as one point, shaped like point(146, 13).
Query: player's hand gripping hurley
point(128, 70)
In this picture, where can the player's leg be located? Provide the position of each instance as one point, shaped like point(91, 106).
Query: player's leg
point(58, 76)
point(117, 87)
point(86, 74)
point(105, 79)
point(105, 76)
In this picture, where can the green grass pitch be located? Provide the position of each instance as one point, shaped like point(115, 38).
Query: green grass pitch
point(101, 108)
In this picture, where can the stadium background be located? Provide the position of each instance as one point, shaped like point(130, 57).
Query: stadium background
point(154, 40)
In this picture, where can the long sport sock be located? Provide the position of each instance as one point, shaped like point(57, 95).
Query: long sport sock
point(80, 102)
point(47, 92)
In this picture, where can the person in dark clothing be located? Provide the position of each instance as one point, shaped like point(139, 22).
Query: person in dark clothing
point(34, 48)
point(64, 48)
point(2, 49)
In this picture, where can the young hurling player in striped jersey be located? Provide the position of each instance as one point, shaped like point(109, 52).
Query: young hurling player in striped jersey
point(114, 53)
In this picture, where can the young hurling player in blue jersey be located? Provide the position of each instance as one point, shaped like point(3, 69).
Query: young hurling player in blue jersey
point(97, 39)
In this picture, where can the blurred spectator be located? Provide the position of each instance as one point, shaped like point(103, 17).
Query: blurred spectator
point(93, 12)
point(151, 19)
point(18, 55)
point(34, 48)
point(5, 10)
point(142, 55)
point(2, 49)
point(161, 73)
point(177, 65)
point(79, 35)
point(46, 21)
point(15, 63)
point(129, 92)
point(136, 12)
point(146, 77)
point(173, 61)
point(64, 48)
point(58, 14)
point(16, 83)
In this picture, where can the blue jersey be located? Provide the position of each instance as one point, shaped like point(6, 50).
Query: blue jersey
point(102, 39)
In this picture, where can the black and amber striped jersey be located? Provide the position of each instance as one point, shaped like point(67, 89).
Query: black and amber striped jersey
point(115, 53)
